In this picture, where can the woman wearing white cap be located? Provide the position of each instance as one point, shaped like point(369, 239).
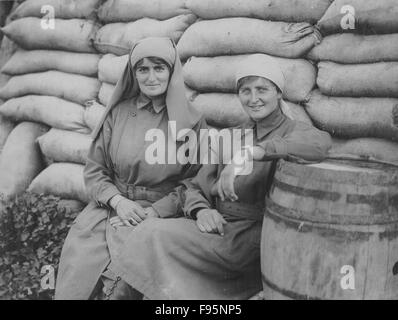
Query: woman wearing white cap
point(216, 253)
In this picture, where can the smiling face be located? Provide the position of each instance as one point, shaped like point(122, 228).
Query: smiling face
point(258, 96)
point(152, 76)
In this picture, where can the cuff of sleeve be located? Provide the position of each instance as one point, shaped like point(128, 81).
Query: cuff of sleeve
point(268, 148)
point(275, 147)
point(106, 195)
point(191, 213)
point(280, 146)
point(165, 207)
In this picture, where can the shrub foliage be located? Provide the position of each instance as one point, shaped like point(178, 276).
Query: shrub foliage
point(32, 231)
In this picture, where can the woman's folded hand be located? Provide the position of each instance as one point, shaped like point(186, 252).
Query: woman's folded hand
point(211, 221)
point(130, 212)
point(151, 213)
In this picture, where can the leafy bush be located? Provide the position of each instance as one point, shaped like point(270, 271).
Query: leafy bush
point(32, 231)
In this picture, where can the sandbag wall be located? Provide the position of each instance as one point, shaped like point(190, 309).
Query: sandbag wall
point(343, 82)
point(357, 81)
point(51, 75)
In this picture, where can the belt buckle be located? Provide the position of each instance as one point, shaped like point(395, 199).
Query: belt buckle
point(141, 192)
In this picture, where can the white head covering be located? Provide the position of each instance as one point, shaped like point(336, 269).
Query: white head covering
point(261, 65)
point(178, 107)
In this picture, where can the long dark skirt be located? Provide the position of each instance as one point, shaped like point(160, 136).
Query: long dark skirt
point(172, 259)
point(87, 251)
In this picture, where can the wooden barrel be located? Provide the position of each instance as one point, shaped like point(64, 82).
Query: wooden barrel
point(330, 231)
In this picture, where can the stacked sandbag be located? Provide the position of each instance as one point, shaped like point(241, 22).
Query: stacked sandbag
point(119, 37)
point(105, 92)
point(367, 17)
point(7, 49)
point(132, 10)
point(357, 76)
point(21, 159)
point(355, 48)
point(275, 10)
point(229, 36)
point(70, 9)
point(24, 61)
point(72, 87)
point(379, 149)
point(6, 127)
point(378, 79)
point(49, 110)
point(350, 118)
point(93, 114)
point(61, 179)
point(65, 146)
point(52, 75)
point(74, 35)
point(110, 67)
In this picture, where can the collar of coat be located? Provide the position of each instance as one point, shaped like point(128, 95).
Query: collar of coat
point(267, 124)
point(158, 103)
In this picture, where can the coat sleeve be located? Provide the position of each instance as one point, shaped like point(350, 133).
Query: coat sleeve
point(198, 193)
point(98, 172)
point(304, 141)
point(172, 204)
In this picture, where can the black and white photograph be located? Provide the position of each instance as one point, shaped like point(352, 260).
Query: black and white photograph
point(222, 152)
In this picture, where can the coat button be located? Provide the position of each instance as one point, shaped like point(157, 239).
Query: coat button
point(133, 114)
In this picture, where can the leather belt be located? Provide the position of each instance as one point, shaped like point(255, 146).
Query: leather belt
point(134, 192)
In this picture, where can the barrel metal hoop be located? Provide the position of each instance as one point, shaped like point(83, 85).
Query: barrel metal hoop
point(277, 213)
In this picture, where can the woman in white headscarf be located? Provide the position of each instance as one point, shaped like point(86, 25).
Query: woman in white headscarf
point(215, 253)
point(125, 186)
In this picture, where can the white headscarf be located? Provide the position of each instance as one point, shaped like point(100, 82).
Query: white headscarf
point(261, 65)
point(178, 107)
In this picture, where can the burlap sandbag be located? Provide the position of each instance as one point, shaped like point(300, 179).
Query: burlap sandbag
point(110, 68)
point(245, 35)
point(69, 35)
point(224, 110)
point(353, 48)
point(43, 60)
point(105, 93)
point(7, 49)
point(53, 111)
point(6, 127)
point(130, 10)
point(118, 38)
point(221, 110)
point(370, 17)
point(72, 87)
point(353, 117)
point(298, 112)
point(68, 9)
point(21, 159)
point(62, 179)
point(358, 80)
point(93, 114)
point(218, 75)
point(367, 147)
point(276, 10)
point(65, 146)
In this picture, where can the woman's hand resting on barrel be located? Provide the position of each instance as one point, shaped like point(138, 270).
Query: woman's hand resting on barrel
point(210, 221)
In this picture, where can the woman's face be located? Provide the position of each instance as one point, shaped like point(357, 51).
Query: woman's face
point(259, 97)
point(153, 78)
